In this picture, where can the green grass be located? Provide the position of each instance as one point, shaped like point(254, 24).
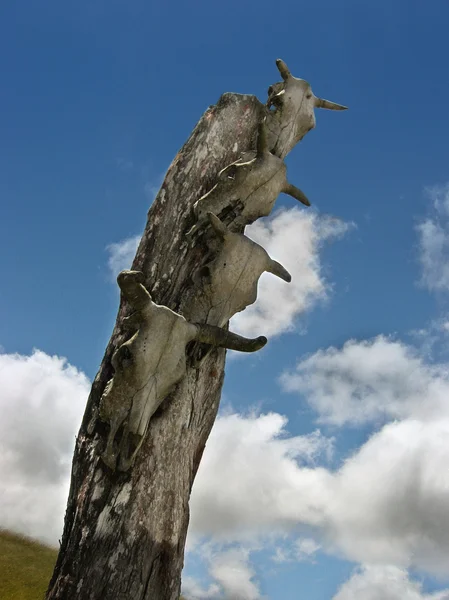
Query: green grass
point(25, 567)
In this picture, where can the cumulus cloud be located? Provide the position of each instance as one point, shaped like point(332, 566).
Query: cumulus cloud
point(121, 254)
point(293, 238)
point(232, 571)
point(390, 499)
point(257, 483)
point(387, 502)
point(301, 549)
point(193, 590)
point(384, 583)
point(42, 400)
point(233, 578)
point(254, 479)
point(368, 380)
point(433, 235)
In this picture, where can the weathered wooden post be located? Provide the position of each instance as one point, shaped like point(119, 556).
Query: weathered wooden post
point(156, 395)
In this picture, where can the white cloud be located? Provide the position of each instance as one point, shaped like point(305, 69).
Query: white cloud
point(384, 583)
point(306, 548)
point(232, 571)
point(386, 503)
point(42, 400)
point(250, 481)
point(390, 499)
point(370, 380)
point(121, 254)
point(294, 238)
point(193, 590)
point(301, 549)
point(233, 578)
point(433, 235)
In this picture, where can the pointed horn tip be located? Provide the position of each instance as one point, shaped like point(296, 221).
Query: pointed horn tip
point(321, 103)
point(283, 69)
point(295, 192)
point(277, 269)
point(285, 276)
point(260, 342)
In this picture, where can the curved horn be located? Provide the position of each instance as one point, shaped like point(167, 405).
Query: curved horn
point(295, 192)
point(216, 336)
point(217, 225)
point(283, 69)
point(131, 284)
point(277, 269)
point(262, 140)
point(320, 103)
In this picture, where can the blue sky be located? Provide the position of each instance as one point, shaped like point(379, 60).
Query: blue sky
point(96, 100)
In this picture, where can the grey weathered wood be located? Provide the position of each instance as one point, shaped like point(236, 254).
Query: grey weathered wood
point(124, 533)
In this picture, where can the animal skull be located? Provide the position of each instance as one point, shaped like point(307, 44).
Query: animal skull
point(292, 115)
point(251, 186)
point(149, 365)
point(232, 277)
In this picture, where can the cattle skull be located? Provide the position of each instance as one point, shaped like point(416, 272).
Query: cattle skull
point(252, 187)
point(230, 280)
point(292, 111)
point(148, 366)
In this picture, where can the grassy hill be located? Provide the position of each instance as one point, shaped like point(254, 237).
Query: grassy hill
point(25, 566)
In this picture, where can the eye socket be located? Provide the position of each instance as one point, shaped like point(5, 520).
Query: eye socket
point(308, 96)
point(230, 172)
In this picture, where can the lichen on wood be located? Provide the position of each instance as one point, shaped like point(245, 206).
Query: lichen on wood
point(124, 532)
point(138, 550)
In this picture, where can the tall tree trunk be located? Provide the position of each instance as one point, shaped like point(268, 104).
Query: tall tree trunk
point(124, 533)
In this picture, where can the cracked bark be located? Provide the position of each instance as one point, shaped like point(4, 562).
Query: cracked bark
point(124, 533)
